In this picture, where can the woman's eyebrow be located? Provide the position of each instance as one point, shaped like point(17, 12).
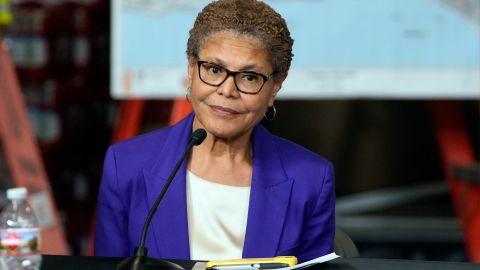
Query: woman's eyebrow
point(218, 61)
point(213, 60)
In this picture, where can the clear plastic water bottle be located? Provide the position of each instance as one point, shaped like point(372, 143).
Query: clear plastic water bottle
point(19, 234)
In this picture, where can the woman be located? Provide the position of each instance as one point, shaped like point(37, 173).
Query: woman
point(243, 192)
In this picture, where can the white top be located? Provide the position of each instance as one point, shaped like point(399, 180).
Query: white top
point(217, 219)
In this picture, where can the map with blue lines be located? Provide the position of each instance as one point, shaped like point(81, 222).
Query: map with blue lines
point(420, 49)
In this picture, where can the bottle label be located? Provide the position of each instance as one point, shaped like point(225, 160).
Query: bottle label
point(19, 242)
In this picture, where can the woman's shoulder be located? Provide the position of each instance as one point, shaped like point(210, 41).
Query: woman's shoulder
point(153, 142)
point(286, 149)
point(131, 156)
point(294, 152)
point(301, 163)
point(309, 169)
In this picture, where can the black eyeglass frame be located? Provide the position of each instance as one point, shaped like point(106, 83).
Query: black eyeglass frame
point(234, 74)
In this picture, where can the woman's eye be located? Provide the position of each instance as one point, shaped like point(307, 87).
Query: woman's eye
point(214, 69)
point(250, 77)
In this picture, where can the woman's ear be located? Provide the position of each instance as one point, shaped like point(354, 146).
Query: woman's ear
point(277, 82)
point(191, 67)
point(277, 85)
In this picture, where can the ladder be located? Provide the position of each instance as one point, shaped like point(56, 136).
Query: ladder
point(456, 154)
point(24, 159)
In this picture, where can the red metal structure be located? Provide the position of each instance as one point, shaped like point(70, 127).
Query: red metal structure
point(131, 114)
point(24, 158)
point(456, 151)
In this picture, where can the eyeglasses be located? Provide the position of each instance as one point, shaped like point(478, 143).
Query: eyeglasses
point(247, 82)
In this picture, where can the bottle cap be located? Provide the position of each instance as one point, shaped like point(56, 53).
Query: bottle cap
point(16, 193)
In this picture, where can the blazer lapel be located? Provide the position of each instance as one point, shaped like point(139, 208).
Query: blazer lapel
point(169, 227)
point(269, 198)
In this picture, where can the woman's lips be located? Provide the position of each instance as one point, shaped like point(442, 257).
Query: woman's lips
point(223, 110)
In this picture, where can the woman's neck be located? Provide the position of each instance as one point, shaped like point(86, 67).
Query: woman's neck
point(224, 161)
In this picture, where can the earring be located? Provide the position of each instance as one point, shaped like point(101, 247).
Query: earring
point(270, 116)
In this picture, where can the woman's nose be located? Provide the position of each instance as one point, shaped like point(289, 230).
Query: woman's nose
point(228, 88)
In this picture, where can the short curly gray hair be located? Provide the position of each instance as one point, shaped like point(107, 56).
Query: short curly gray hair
point(246, 17)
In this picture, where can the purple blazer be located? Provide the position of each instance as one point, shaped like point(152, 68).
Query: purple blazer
point(291, 209)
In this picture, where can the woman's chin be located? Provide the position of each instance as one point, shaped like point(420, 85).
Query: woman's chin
point(223, 129)
point(225, 133)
